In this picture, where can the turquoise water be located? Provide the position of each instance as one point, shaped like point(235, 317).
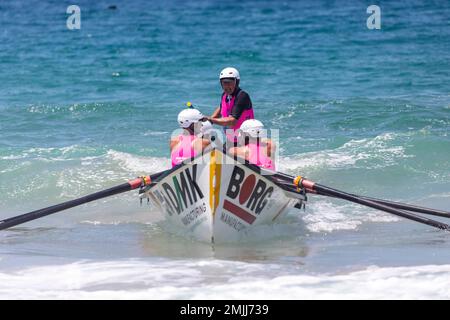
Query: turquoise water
point(366, 111)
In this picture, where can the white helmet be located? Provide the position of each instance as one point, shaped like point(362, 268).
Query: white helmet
point(252, 127)
point(229, 73)
point(206, 127)
point(188, 117)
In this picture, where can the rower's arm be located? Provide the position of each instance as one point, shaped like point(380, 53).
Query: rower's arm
point(216, 113)
point(270, 147)
point(173, 143)
point(241, 152)
point(205, 144)
point(201, 144)
point(227, 121)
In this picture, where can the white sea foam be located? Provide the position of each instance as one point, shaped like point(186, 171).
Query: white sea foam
point(96, 173)
point(74, 171)
point(75, 108)
point(217, 279)
point(96, 223)
point(139, 163)
point(155, 133)
point(127, 161)
point(326, 216)
point(377, 152)
point(280, 117)
point(50, 154)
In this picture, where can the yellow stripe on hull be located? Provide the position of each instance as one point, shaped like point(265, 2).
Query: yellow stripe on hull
point(214, 180)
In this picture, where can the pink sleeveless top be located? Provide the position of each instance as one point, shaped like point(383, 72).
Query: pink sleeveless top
point(225, 111)
point(184, 150)
point(257, 156)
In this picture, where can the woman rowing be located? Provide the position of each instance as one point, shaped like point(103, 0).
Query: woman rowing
point(191, 142)
point(256, 149)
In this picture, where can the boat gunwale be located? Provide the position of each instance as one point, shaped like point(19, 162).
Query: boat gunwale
point(251, 166)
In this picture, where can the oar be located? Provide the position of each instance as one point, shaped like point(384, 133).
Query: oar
point(405, 206)
point(130, 185)
point(398, 205)
point(327, 191)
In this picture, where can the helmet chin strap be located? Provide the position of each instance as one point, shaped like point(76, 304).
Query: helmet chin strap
point(190, 129)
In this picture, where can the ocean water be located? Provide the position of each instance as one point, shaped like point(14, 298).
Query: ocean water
point(365, 111)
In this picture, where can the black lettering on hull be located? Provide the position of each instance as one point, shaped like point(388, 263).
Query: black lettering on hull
point(232, 222)
point(234, 185)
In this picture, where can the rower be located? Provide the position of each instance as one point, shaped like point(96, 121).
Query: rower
point(188, 145)
point(235, 106)
point(256, 149)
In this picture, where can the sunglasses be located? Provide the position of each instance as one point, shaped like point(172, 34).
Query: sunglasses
point(228, 80)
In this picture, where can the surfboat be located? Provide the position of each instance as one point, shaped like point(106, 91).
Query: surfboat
point(215, 198)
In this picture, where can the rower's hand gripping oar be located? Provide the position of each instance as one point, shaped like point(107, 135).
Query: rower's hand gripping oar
point(300, 182)
point(130, 185)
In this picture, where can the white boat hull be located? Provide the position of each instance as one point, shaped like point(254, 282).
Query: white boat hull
point(215, 199)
